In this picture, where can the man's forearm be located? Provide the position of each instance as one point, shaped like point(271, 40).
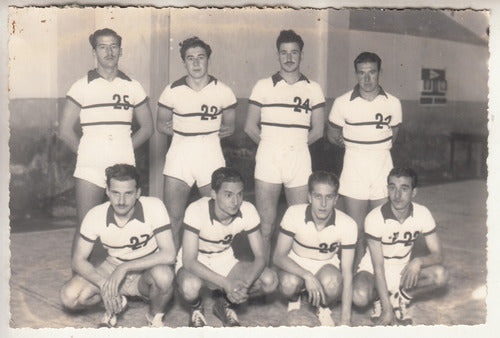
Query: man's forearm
point(88, 272)
point(256, 269)
point(205, 273)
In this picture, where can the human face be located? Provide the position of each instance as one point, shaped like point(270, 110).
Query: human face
point(122, 196)
point(228, 199)
point(323, 198)
point(367, 74)
point(400, 192)
point(290, 56)
point(196, 62)
point(107, 51)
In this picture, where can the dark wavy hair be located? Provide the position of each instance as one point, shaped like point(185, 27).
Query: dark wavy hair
point(194, 42)
point(103, 32)
point(289, 36)
point(225, 174)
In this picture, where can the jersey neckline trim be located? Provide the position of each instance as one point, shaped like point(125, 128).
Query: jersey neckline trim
point(356, 93)
point(138, 214)
point(213, 216)
point(93, 75)
point(277, 78)
point(183, 82)
point(309, 217)
point(388, 214)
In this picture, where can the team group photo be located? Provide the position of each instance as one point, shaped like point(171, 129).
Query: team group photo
point(217, 168)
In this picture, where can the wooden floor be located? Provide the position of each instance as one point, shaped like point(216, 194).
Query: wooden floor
point(40, 264)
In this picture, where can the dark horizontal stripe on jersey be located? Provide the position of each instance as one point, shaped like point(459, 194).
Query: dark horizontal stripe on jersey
point(258, 104)
point(334, 125)
point(106, 123)
point(142, 102)
point(231, 106)
point(212, 252)
point(197, 114)
point(220, 241)
point(319, 105)
point(286, 232)
point(280, 125)
point(255, 228)
point(87, 239)
point(283, 105)
point(162, 228)
point(164, 106)
point(373, 237)
point(307, 246)
point(111, 104)
point(366, 123)
point(399, 241)
point(128, 245)
point(190, 228)
point(74, 101)
point(398, 257)
point(195, 134)
point(133, 259)
point(396, 126)
point(348, 246)
point(368, 142)
point(429, 232)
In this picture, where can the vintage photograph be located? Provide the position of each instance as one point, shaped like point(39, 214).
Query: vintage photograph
point(247, 166)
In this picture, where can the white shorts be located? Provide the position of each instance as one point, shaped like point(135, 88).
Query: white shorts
point(392, 271)
point(130, 285)
point(290, 165)
point(313, 265)
point(194, 158)
point(96, 152)
point(364, 175)
point(221, 263)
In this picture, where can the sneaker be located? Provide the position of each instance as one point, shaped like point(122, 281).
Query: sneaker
point(156, 321)
point(402, 313)
point(223, 311)
point(376, 310)
point(197, 318)
point(294, 305)
point(325, 316)
point(108, 320)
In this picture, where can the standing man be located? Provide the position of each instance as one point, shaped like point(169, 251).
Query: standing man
point(207, 258)
point(197, 110)
point(366, 121)
point(310, 237)
point(104, 103)
point(285, 115)
point(136, 233)
point(391, 230)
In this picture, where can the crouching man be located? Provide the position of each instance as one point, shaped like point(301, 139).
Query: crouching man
point(390, 274)
point(135, 231)
point(206, 256)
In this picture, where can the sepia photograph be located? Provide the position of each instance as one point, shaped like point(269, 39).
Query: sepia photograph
point(260, 166)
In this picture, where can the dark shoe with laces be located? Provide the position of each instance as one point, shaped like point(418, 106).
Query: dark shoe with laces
point(222, 310)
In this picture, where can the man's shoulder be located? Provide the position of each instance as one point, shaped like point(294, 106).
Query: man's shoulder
point(198, 204)
point(375, 213)
point(248, 209)
point(151, 201)
point(264, 82)
point(420, 210)
point(98, 213)
point(346, 97)
point(343, 218)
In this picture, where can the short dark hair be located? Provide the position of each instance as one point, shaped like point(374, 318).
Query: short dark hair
point(225, 174)
point(367, 57)
point(103, 32)
point(122, 172)
point(404, 172)
point(194, 42)
point(323, 177)
point(289, 36)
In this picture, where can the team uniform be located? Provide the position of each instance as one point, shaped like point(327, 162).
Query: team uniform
point(367, 133)
point(283, 154)
point(215, 238)
point(195, 151)
point(106, 118)
point(312, 249)
point(397, 239)
point(133, 241)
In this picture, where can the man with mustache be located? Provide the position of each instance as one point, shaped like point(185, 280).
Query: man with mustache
point(285, 115)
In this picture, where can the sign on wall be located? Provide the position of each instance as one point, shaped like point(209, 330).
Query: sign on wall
point(434, 87)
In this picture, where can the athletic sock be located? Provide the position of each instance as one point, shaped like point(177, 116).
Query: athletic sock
point(405, 295)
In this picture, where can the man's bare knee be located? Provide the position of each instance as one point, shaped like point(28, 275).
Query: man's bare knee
point(289, 284)
point(190, 286)
point(331, 280)
point(69, 295)
point(269, 280)
point(363, 289)
point(440, 276)
point(163, 277)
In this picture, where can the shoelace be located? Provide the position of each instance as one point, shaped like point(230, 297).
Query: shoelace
point(198, 318)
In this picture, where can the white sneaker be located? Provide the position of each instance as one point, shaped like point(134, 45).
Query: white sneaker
point(376, 310)
point(294, 305)
point(109, 319)
point(402, 314)
point(325, 316)
point(156, 321)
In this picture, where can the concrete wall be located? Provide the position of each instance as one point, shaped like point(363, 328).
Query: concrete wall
point(49, 50)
